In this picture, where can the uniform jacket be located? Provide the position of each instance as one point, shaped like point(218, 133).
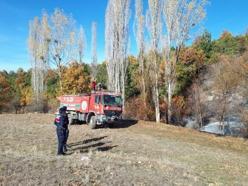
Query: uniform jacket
point(61, 121)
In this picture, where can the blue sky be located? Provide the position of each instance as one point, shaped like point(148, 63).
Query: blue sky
point(231, 15)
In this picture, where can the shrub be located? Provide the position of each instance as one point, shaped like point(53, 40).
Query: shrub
point(137, 109)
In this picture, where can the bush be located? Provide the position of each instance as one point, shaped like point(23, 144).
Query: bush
point(137, 109)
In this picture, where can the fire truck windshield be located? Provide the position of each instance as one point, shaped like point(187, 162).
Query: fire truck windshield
point(112, 100)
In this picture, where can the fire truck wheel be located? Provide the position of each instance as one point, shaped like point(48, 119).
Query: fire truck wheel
point(111, 125)
point(92, 122)
point(70, 121)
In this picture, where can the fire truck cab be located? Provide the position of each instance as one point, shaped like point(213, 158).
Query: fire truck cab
point(96, 108)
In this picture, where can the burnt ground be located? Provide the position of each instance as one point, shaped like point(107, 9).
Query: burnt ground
point(132, 153)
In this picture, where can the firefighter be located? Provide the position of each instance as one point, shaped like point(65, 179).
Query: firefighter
point(93, 85)
point(61, 121)
point(66, 130)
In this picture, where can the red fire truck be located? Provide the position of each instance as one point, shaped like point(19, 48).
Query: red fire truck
point(96, 108)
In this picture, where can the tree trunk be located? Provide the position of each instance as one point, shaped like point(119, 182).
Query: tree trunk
point(197, 103)
point(156, 94)
point(169, 101)
point(60, 78)
point(123, 85)
point(171, 80)
point(157, 110)
point(123, 99)
point(143, 79)
point(168, 75)
point(144, 90)
point(80, 57)
point(223, 112)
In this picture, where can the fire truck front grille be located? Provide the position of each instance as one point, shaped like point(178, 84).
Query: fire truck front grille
point(111, 113)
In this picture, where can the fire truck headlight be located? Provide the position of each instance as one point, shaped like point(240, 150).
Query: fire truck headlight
point(104, 118)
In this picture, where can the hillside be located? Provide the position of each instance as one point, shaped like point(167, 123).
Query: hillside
point(139, 153)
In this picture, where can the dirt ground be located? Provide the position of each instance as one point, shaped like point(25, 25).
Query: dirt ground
point(132, 153)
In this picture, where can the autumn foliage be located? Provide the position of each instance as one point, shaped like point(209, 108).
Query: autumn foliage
point(76, 79)
point(204, 58)
point(4, 91)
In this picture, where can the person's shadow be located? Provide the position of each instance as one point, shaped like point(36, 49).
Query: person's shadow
point(95, 144)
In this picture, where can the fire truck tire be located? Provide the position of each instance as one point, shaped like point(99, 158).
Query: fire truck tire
point(111, 125)
point(92, 123)
point(70, 121)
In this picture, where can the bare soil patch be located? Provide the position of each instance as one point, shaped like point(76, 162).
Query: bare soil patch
point(141, 153)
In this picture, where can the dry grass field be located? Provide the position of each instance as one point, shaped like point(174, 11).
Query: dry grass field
point(142, 153)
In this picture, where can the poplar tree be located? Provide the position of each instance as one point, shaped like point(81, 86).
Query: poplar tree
point(81, 44)
point(139, 31)
point(38, 44)
point(117, 18)
point(180, 17)
point(154, 26)
point(63, 31)
point(94, 50)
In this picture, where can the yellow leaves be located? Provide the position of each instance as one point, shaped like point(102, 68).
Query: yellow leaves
point(132, 60)
point(179, 102)
point(26, 96)
point(76, 79)
point(162, 66)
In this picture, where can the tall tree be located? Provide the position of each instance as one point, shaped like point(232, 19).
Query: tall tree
point(140, 40)
point(45, 40)
point(116, 43)
point(63, 31)
point(81, 43)
point(94, 49)
point(180, 17)
point(38, 42)
point(34, 58)
point(154, 26)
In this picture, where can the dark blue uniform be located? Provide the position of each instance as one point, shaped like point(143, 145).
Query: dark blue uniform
point(62, 122)
point(66, 133)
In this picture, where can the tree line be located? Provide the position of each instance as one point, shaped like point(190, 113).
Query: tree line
point(160, 79)
point(203, 56)
point(166, 24)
